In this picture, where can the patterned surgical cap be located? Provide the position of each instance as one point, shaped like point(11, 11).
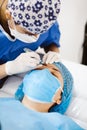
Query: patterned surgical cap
point(36, 16)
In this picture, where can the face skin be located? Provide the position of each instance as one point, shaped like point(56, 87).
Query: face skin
point(44, 107)
point(5, 16)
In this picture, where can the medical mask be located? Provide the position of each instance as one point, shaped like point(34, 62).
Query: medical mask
point(23, 37)
point(40, 86)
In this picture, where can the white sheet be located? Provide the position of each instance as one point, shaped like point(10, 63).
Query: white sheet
point(78, 106)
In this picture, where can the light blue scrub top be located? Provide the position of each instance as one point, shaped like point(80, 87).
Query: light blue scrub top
point(14, 116)
point(9, 50)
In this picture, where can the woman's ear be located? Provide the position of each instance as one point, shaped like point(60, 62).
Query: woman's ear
point(8, 14)
point(58, 101)
point(57, 96)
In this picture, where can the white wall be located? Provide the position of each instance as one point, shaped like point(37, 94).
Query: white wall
point(72, 19)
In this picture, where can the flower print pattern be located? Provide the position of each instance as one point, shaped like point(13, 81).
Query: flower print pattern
point(37, 23)
point(35, 16)
point(27, 16)
point(20, 16)
point(38, 6)
point(25, 24)
point(22, 6)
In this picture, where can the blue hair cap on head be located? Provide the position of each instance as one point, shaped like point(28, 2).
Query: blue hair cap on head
point(67, 91)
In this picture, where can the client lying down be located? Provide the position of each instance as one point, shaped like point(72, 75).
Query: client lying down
point(47, 88)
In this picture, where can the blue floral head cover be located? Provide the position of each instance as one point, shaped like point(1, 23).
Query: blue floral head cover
point(36, 16)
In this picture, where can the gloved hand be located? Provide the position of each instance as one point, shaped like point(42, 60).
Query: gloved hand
point(23, 63)
point(51, 57)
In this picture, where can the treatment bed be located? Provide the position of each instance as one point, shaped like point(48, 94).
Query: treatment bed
point(76, 110)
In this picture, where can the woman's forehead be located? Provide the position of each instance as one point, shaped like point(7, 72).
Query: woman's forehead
point(49, 66)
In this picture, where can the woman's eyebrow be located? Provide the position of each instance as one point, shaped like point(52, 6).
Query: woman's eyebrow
point(27, 32)
point(56, 69)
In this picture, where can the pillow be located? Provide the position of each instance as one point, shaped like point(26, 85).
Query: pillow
point(79, 73)
point(11, 84)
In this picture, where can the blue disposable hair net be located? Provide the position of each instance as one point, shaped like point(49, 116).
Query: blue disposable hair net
point(67, 91)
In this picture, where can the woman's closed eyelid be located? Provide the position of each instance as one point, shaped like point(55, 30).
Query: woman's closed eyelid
point(28, 34)
point(56, 74)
